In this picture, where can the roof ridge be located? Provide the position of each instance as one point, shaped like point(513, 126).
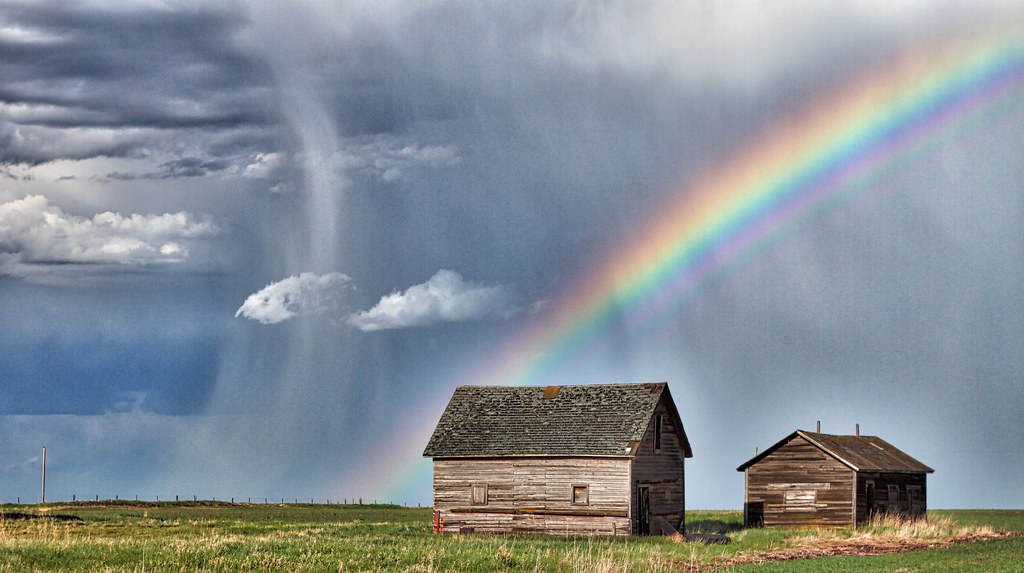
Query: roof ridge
point(609, 384)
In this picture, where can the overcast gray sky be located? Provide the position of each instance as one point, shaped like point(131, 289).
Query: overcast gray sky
point(248, 249)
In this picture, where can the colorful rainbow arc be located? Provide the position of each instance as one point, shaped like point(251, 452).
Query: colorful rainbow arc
point(791, 175)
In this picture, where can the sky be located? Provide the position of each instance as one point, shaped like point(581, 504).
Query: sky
point(248, 249)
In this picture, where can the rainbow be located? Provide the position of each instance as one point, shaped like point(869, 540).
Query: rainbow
point(792, 175)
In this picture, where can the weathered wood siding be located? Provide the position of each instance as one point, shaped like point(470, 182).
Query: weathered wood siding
point(533, 495)
point(798, 485)
point(902, 494)
point(662, 470)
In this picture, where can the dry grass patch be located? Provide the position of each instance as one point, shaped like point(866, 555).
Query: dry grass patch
point(884, 535)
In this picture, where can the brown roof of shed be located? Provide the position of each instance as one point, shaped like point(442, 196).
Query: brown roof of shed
point(585, 420)
point(859, 453)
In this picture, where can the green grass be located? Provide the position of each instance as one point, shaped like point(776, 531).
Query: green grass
point(130, 537)
point(1002, 519)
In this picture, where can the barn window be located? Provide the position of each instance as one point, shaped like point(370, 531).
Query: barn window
point(657, 432)
point(894, 495)
point(580, 495)
point(480, 494)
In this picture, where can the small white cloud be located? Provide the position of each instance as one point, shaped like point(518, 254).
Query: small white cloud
point(446, 297)
point(304, 294)
point(391, 158)
point(172, 250)
point(34, 233)
point(282, 188)
point(264, 165)
point(31, 463)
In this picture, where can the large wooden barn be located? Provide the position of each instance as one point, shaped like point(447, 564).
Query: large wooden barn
point(809, 479)
point(564, 460)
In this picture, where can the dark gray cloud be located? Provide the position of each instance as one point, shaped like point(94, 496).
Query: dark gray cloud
point(130, 66)
point(85, 81)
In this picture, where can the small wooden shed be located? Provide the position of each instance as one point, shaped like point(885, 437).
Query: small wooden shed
point(810, 479)
point(563, 460)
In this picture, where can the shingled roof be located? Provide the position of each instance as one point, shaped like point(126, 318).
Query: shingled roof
point(588, 420)
point(859, 453)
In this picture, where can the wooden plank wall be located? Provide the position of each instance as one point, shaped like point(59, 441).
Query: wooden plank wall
point(798, 485)
point(663, 471)
point(880, 503)
point(534, 495)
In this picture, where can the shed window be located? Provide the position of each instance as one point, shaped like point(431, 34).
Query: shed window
point(657, 432)
point(480, 494)
point(894, 494)
point(914, 494)
point(580, 495)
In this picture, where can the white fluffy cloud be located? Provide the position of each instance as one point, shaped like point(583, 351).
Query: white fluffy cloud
point(298, 295)
point(34, 233)
point(446, 297)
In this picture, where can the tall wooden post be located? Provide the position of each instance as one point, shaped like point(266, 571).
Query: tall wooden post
point(42, 496)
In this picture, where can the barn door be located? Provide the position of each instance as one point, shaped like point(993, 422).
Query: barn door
point(643, 510)
point(869, 498)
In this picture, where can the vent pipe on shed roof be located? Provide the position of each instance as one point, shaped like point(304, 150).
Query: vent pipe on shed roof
point(858, 430)
point(818, 426)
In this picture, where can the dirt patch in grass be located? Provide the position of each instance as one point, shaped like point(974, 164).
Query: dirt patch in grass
point(882, 536)
point(19, 516)
point(813, 549)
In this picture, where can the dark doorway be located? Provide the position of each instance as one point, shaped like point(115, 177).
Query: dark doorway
point(869, 499)
point(643, 510)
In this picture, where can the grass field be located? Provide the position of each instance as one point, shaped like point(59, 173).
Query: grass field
point(220, 537)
